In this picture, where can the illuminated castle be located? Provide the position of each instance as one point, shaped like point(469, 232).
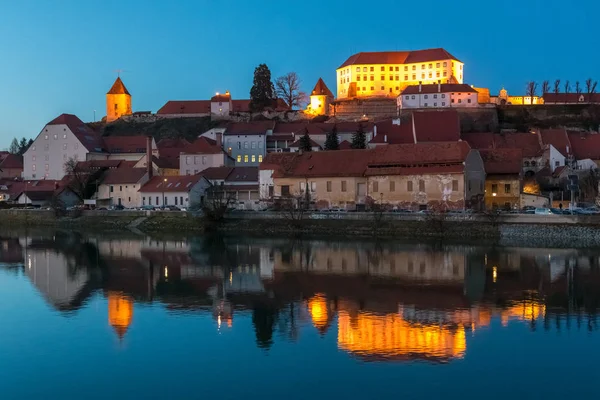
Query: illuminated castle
point(387, 73)
point(320, 98)
point(120, 312)
point(118, 101)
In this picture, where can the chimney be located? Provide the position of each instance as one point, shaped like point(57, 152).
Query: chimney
point(419, 86)
point(149, 156)
point(439, 87)
point(219, 137)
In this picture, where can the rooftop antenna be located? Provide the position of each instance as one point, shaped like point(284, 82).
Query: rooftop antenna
point(118, 71)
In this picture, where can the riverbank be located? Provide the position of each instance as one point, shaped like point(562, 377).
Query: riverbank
point(529, 229)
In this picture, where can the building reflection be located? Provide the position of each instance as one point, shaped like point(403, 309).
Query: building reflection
point(386, 301)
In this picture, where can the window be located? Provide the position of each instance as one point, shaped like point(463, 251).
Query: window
point(65, 136)
point(357, 69)
point(405, 77)
point(421, 185)
point(203, 159)
point(443, 103)
point(372, 88)
point(260, 145)
point(430, 66)
point(409, 186)
point(392, 186)
point(383, 88)
point(112, 188)
point(253, 158)
point(143, 201)
point(437, 65)
point(407, 97)
point(364, 69)
point(425, 96)
point(46, 137)
point(364, 88)
point(412, 97)
point(383, 77)
point(120, 188)
point(397, 77)
point(437, 74)
point(65, 157)
point(414, 68)
point(372, 69)
point(175, 200)
point(157, 202)
point(468, 100)
point(195, 159)
point(260, 158)
point(425, 105)
point(64, 146)
point(375, 187)
point(302, 187)
point(358, 77)
point(383, 68)
point(397, 68)
point(372, 77)
point(455, 185)
point(329, 186)
point(181, 200)
point(445, 64)
point(430, 75)
point(239, 145)
point(285, 190)
point(188, 160)
point(422, 66)
point(494, 188)
point(33, 148)
point(246, 145)
point(391, 68)
point(246, 158)
point(423, 76)
point(239, 158)
point(507, 188)
point(452, 101)
point(435, 104)
point(343, 186)
point(46, 147)
point(406, 68)
point(397, 88)
point(32, 158)
point(435, 96)
point(414, 77)
point(313, 186)
point(364, 77)
point(443, 96)
point(460, 100)
point(253, 145)
point(445, 73)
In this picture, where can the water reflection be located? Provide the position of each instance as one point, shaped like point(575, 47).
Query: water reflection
point(383, 301)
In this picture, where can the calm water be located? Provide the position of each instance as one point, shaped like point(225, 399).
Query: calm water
point(127, 317)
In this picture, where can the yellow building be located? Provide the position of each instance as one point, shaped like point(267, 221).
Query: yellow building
point(320, 98)
point(504, 99)
point(120, 312)
point(118, 101)
point(387, 73)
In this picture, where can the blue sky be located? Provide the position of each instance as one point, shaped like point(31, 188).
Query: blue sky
point(61, 56)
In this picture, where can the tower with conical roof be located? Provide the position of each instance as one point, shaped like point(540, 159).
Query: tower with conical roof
point(320, 98)
point(118, 101)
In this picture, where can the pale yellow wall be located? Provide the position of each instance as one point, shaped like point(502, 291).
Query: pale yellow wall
point(323, 198)
point(426, 73)
point(513, 197)
point(319, 105)
point(117, 105)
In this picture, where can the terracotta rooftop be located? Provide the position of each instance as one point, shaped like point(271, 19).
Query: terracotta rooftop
point(123, 176)
point(203, 145)
point(345, 145)
point(390, 133)
point(557, 138)
point(11, 161)
point(166, 162)
point(585, 145)
point(571, 98)
point(125, 144)
point(185, 107)
point(118, 87)
point(502, 161)
point(443, 88)
point(91, 140)
point(479, 141)
point(321, 89)
point(182, 183)
point(224, 98)
point(528, 142)
point(436, 126)
point(249, 128)
point(217, 173)
point(398, 57)
point(312, 143)
point(243, 174)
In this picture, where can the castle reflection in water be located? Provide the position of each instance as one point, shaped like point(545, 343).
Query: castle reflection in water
point(386, 301)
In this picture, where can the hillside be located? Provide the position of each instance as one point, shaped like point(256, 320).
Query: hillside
point(187, 128)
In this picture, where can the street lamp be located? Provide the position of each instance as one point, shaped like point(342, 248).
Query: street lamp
point(163, 193)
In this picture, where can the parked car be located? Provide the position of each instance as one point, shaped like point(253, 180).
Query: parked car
point(146, 208)
point(338, 210)
point(542, 211)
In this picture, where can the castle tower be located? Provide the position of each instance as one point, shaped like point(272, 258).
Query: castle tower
point(118, 101)
point(120, 312)
point(320, 98)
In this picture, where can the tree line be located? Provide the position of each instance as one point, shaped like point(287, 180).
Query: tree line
point(264, 93)
point(589, 86)
point(332, 140)
point(19, 146)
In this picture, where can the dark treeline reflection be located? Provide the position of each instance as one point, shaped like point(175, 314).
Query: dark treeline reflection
point(386, 301)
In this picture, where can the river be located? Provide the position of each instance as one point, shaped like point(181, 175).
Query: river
point(127, 317)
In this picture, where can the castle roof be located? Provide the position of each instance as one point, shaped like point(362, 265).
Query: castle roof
point(322, 89)
point(441, 88)
point(398, 57)
point(118, 87)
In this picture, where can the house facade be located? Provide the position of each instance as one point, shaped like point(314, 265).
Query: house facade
point(11, 166)
point(121, 187)
point(246, 142)
point(438, 96)
point(202, 154)
point(504, 178)
point(180, 191)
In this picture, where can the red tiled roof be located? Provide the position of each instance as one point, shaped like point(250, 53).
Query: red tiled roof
point(502, 161)
point(11, 161)
point(185, 107)
point(289, 127)
point(97, 164)
point(223, 98)
point(217, 173)
point(312, 143)
point(273, 161)
point(91, 140)
point(240, 105)
point(203, 145)
point(389, 133)
point(166, 162)
point(443, 88)
point(232, 188)
point(345, 145)
point(436, 169)
point(479, 141)
point(398, 57)
point(557, 138)
point(249, 128)
point(421, 153)
point(322, 89)
point(123, 176)
point(125, 144)
point(243, 174)
point(175, 143)
point(558, 170)
point(118, 87)
point(172, 184)
point(585, 145)
point(571, 98)
point(437, 126)
point(528, 142)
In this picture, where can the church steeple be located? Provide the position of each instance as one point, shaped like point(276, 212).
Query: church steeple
point(118, 101)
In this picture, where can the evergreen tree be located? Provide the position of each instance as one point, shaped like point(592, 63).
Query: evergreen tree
point(331, 140)
point(23, 146)
point(304, 142)
point(359, 138)
point(14, 146)
point(262, 92)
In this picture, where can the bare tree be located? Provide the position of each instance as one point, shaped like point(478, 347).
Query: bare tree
point(577, 87)
point(79, 179)
point(567, 87)
point(287, 87)
point(217, 203)
point(557, 86)
point(545, 87)
point(588, 85)
point(594, 87)
point(294, 208)
point(531, 90)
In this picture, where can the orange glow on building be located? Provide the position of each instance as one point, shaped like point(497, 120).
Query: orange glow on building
point(120, 312)
point(526, 310)
point(319, 312)
point(118, 101)
point(391, 337)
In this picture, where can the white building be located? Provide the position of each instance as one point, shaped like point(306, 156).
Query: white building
point(65, 137)
point(202, 154)
point(181, 191)
point(440, 95)
point(121, 187)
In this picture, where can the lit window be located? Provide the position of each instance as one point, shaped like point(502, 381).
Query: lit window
point(55, 136)
point(253, 158)
point(364, 69)
point(357, 69)
point(405, 77)
point(406, 68)
point(430, 66)
point(372, 69)
point(445, 64)
point(246, 158)
point(383, 68)
point(239, 158)
point(437, 65)
point(260, 158)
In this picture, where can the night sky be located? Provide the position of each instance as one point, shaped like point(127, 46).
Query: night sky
point(61, 56)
